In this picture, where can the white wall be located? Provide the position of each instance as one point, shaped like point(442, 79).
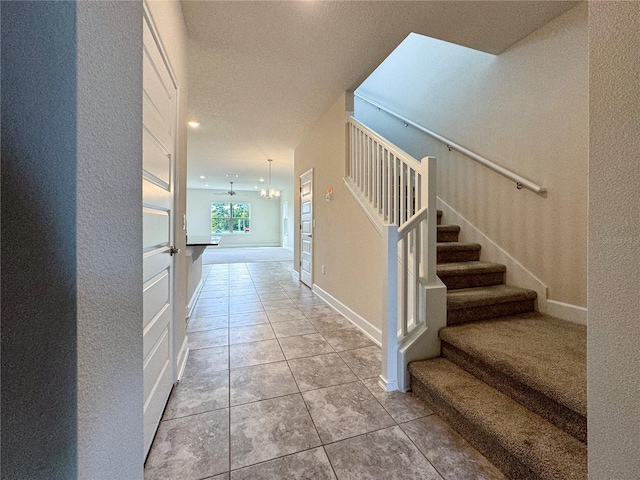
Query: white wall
point(613, 337)
point(344, 241)
point(265, 218)
point(109, 241)
point(288, 233)
point(525, 109)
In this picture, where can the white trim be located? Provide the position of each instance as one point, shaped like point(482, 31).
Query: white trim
point(182, 357)
point(567, 311)
point(517, 274)
point(387, 386)
point(296, 275)
point(194, 299)
point(363, 324)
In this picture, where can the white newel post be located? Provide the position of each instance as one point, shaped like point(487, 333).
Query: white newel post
point(429, 228)
point(435, 294)
point(389, 377)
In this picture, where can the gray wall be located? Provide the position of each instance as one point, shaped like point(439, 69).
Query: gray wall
point(614, 242)
point(39, 284)
point(71, 240)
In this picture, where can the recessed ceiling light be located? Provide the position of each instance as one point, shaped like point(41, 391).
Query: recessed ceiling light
point(255, 186)
point(206, 184)
point(193, 124)
point(202, 177)
point(261, 180)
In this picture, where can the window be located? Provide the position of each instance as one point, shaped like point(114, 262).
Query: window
point(230, 217)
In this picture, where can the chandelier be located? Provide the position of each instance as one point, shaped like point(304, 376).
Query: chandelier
point(270, 192)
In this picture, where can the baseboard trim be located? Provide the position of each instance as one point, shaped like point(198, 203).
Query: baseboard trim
point(567, 311)
point(296, 275)
point(182, 358)
point(362, 323)
point(194, 299)
point(387, 386)
point(517, 274)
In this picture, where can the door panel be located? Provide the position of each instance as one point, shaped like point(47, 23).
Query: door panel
point(155, 228)
point(306, 228)
point(157, 161)
point(159, 125)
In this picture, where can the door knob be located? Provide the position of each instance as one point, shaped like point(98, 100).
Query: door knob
point(173, 250)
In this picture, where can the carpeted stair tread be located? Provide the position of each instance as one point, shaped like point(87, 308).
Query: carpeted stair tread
point(518, 441)
point(537, 350)
point(485, 296)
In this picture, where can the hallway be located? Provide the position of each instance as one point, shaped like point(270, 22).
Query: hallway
point(279, 385)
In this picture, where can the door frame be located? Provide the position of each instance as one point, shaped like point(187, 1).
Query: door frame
point(308, 172)
point(178, 367)
point(174, 350)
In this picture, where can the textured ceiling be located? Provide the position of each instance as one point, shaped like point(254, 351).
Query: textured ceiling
point(261, 73)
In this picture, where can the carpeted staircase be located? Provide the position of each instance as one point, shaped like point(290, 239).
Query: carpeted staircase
point(511, 380)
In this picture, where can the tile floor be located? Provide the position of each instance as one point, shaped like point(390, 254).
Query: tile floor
point(279, 385)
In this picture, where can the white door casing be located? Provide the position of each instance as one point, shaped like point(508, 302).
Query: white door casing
point(306, 228)
point(285, 224)
point(158, 191)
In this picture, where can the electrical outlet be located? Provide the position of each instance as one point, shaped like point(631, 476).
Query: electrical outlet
point(323, 270)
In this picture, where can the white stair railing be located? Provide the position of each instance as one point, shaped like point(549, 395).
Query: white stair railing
point(401, 193)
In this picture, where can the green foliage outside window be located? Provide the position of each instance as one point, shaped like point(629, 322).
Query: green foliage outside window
point(230, 218)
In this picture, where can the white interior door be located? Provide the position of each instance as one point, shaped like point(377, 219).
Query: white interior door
point(158, 132)
point(306, 228)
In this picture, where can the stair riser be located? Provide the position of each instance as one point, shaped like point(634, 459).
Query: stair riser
point(484, 443)
point(485, 312)
point(456, 282)
point(450, 256)
point(559, 415)
point(447, 236)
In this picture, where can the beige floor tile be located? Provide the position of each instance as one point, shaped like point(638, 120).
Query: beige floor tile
point(304, 346)
point(255, 353)
point(345, 411)
point(449, 452)
point(310, 464)
point(261, 382)
point(382, 455)
point(321, 371)
point(269, 429)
